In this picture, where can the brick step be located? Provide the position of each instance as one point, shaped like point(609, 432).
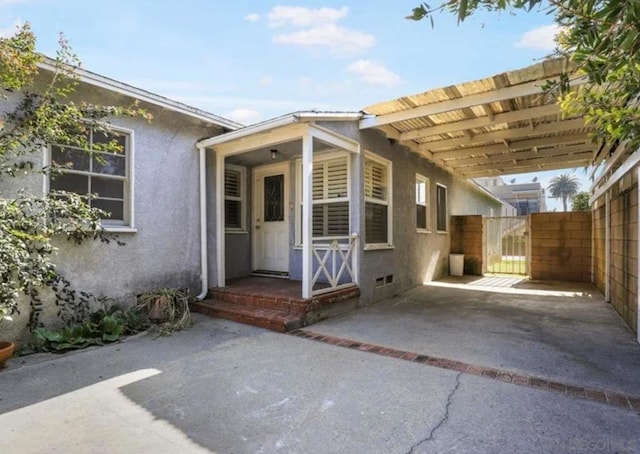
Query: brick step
point(249, 315)
point(297, 306)
point(261, 301)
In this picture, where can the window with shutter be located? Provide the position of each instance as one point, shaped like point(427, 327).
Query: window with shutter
point(377, 192)
point(442, 214)
point(234, 197)
point(422, 203)
point(330, 190)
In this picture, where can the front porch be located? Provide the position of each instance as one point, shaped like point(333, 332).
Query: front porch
point(275, 304)
point(286, 204)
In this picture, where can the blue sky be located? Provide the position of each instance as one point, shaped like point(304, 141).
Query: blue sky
point(250, 60)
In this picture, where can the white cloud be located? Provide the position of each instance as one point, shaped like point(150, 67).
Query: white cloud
point(374, 73)
point(265, 81)
point(253, 17)
point(244, 116)
point(304, 17)
point(541, 38)
point(11, 29)
point(338, 39)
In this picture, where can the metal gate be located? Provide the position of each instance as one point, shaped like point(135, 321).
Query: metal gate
point(507, 245)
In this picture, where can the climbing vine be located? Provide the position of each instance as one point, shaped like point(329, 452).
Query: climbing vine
point(37, 111)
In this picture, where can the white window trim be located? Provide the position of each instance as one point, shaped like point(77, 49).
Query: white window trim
point(389, 202)
point(446, 214)
point(128, 225)
point(326, 156)
point(242, 199)
point(422, 179)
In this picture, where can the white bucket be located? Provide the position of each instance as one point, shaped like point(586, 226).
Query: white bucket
point(456, 264)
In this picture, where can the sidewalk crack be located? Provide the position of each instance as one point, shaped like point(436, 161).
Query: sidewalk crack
point(444, 419)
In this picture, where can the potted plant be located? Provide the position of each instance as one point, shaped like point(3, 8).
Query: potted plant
point(6, 348)
point(168, 307)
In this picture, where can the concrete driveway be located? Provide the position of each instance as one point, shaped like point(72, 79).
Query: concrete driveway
point(228, 388)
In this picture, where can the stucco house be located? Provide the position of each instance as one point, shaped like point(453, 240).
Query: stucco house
point(309, 197)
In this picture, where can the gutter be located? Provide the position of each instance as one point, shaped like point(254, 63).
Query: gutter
point(204, 268)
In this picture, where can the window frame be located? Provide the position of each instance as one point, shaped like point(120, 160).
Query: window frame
point(388, 164)
point(242, 199)
point(321, 157)
point(427, 199)
point(127, 225)
point(446, 214)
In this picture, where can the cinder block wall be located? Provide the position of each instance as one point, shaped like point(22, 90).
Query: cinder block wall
point(467, 238)
point(624, 249)
point(561, 246)
point(599, 229)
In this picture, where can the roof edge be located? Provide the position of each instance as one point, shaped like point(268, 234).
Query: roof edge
point(272, 123)
point(107, 83)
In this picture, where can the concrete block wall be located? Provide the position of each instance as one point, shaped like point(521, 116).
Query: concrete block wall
point(561, 246)
point(467, 234)
point(599, 245)
point(624, 249)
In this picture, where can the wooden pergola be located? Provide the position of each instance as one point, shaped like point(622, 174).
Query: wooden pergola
point(500, 125)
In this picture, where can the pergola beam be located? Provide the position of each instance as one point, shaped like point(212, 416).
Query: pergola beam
point(517, 170)
point(544, 164)
point(534, 161)
point(520, 145)
point(545, 153)
point(506, 117)
point(498, 94)
point(508, 134)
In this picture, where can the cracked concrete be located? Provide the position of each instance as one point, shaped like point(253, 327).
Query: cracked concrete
point(223, 387)
point(444, 419)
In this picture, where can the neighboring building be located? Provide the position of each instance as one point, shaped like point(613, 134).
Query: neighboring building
point(527, 198)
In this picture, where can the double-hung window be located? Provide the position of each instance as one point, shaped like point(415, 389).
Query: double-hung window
point(422, 203)
point(103, 170)
point(331, 195)
point(442, 210)
point(378, 201)
point(234, 198)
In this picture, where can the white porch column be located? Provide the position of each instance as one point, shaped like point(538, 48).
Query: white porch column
point(307, 213)
point(220, 234)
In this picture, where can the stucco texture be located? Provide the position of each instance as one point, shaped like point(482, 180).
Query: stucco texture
point(165, 249)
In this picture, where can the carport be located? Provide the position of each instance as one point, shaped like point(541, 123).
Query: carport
point(507, 124)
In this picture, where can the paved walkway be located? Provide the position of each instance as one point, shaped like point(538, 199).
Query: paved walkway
point(229, 388)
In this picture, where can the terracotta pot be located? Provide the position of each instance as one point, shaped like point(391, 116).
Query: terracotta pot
point(6, 351)
point(158, 310)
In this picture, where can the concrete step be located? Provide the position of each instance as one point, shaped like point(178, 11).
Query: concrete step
point(270, 319)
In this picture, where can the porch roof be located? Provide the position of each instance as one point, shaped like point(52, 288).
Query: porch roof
point(503, 124)
point(278, 122)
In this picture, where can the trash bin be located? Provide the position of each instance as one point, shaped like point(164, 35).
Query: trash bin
point(456, 264)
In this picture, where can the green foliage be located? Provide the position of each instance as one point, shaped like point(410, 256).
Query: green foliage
point(103, 326)
point(602, 39)
point(43, 115)
point(580, 202)
point(564, 186)
point(172, 304)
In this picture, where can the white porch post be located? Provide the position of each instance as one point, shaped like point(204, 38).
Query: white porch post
point(307, 212)
point(220, 234)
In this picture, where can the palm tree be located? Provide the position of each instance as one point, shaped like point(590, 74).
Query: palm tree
point(564, 186)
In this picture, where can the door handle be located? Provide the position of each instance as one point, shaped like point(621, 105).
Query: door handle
point(257, 227)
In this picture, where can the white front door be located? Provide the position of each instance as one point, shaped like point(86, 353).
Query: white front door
point(271, 219)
